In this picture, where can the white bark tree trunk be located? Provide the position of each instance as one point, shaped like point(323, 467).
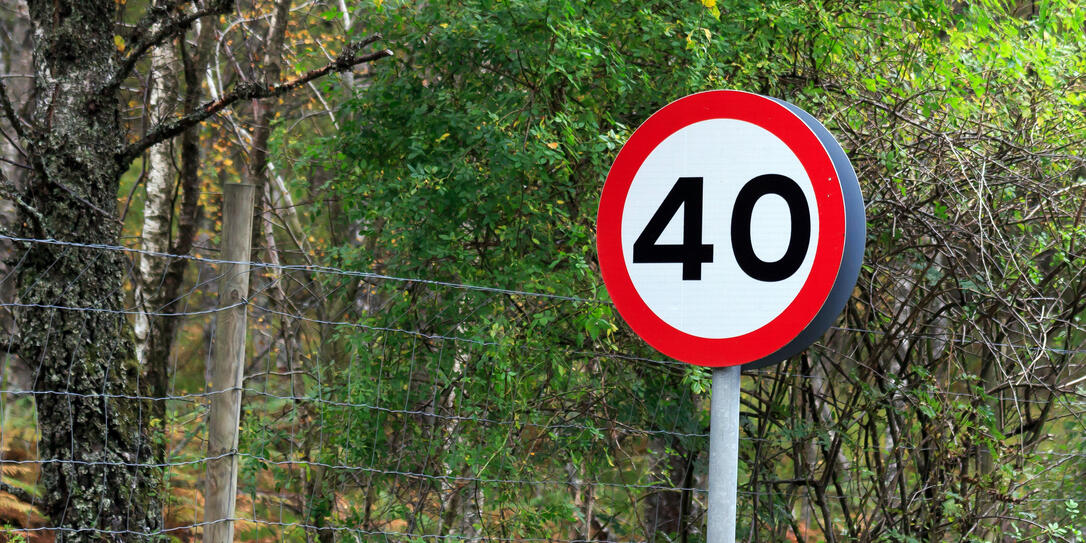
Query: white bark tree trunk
point(158, 205)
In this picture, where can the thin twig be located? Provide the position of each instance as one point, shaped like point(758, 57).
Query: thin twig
point(9, 112)
point(167, 29)
point(349, 58)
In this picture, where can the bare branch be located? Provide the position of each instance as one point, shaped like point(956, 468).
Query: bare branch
point(84, 201)
point(8, 190)
point(16, 164)
point(161, 28)
point(349, 58)
point(9, 112)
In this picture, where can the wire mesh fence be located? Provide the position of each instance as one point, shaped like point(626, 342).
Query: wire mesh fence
point(386, 408)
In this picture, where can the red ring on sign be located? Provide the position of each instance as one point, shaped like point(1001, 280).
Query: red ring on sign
point(829, 201)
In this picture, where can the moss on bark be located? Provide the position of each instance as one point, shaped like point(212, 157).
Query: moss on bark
point(94, 443)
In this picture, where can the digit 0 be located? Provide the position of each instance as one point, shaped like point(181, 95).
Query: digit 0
point(692, 253)
point(798, 241)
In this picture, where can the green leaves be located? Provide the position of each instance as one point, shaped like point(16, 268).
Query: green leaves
point(476, 157)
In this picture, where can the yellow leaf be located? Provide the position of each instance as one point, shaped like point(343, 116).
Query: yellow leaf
point(119, 42)
point(553, 145)
point(711, 4)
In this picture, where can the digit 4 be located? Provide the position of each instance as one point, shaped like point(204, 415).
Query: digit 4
point(692, 253)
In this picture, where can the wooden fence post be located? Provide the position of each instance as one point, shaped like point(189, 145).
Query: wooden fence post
point(227, 365)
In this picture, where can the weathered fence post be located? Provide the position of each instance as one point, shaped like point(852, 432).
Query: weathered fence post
point(227, 363)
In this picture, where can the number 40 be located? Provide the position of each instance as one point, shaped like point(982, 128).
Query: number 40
point(692, 253)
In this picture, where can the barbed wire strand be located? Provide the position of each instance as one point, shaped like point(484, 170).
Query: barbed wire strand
point(256, 265)
point(196, 399)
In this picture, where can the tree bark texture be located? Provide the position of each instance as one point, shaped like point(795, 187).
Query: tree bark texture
point(98, 453)
point(93, 440)
point(157, 220)
point(256, 172)
point(15, 38)
point(159, 281)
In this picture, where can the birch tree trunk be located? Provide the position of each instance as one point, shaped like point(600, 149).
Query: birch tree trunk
point(158, 281)
point(15, 60)
point(157, 217)
point(93, 434)
point(98, 465)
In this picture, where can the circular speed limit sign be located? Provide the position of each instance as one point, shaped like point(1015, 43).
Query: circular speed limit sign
point(731, 229)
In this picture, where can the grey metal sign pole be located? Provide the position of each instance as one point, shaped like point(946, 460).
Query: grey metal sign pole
point(723, 454)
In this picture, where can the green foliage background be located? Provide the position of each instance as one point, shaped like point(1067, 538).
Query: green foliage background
point(938, 410)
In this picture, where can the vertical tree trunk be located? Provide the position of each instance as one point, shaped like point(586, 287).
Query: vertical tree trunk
point(159, 280)
point(158, 206)
point(93, 440)
point(15, 47)
point(157, 220)
point(257, 170)
point(165, 299)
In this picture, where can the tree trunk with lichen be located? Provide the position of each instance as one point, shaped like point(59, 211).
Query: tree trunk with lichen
point(93, 436)
point(95, 443)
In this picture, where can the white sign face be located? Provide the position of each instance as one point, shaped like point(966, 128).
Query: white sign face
point(726, 154)
point(731, 229)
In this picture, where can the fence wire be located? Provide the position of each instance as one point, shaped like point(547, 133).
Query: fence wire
point(387, 408)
